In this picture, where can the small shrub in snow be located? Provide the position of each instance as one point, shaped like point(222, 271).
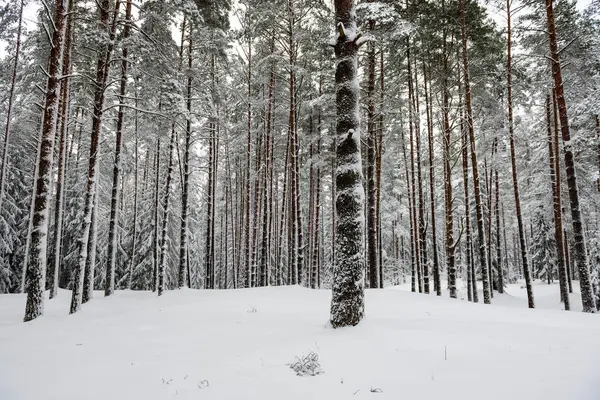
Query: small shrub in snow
point(307, 365)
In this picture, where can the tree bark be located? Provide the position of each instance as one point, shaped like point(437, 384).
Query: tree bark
point(413, 195)
point(513, 162)
point(347, 304)
point(437, 286)
point(579, 251)
point(598, 135)
point(109, 284)
point(90, 261)
point(55, 256)
point(448, 196)
point(558, 229)
point(471, 277)
point(372, 257)
point(102, 67)
point(36, 266)
point(476, 187)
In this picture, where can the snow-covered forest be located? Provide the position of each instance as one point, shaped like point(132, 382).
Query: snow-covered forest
point(155, 145)
point(195, 194)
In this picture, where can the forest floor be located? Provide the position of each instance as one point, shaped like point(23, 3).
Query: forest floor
point(239, 344)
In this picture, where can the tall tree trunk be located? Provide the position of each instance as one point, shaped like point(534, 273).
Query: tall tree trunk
point(471, 276)
point(553, 158)
point(347, 303)
point(470, 127)
point(156, 233)
point(598, 134)
point(498, 247)
point(209, 251)
point(247, 221)
point(437, 287)
point(513, 161)
point(372, 258)
point(413, 271)
point(55, 256)
point(448, 196)
point(294, 245)
point(378, 167)
point(36, 266)
point(90, 261)
point(132, 258)
point(421, 215)
point(265, 267)
point(109, 285)
point(165, 221)
point(413, 198)
point(102, 67)
point(256, 203)
point(579, 251)
point(11, 94)
point(489, 183)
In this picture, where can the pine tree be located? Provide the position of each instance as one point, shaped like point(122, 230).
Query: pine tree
point(36, 266)
point(580, 255)
point(347, 304)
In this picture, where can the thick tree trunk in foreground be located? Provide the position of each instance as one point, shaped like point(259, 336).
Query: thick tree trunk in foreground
point(347, 303)
point(36, 266)
point(579, 251)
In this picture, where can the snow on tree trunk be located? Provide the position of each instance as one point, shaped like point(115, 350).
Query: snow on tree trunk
point(36, 268)
point(183, 241)
point(372, 256)
point(579, 251)
point(526, 271)
point(164, 243)
point(13, 82)
point(469, 120)
point(347, 304)
point(90, 262)
point(598, 135)
point(109, 285)
point(55, 256)
point(556, 201)
point(102, 67)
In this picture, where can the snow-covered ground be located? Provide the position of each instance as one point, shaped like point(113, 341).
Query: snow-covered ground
point(238, 344)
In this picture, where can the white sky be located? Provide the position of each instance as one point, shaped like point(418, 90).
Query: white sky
point(29, 15)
